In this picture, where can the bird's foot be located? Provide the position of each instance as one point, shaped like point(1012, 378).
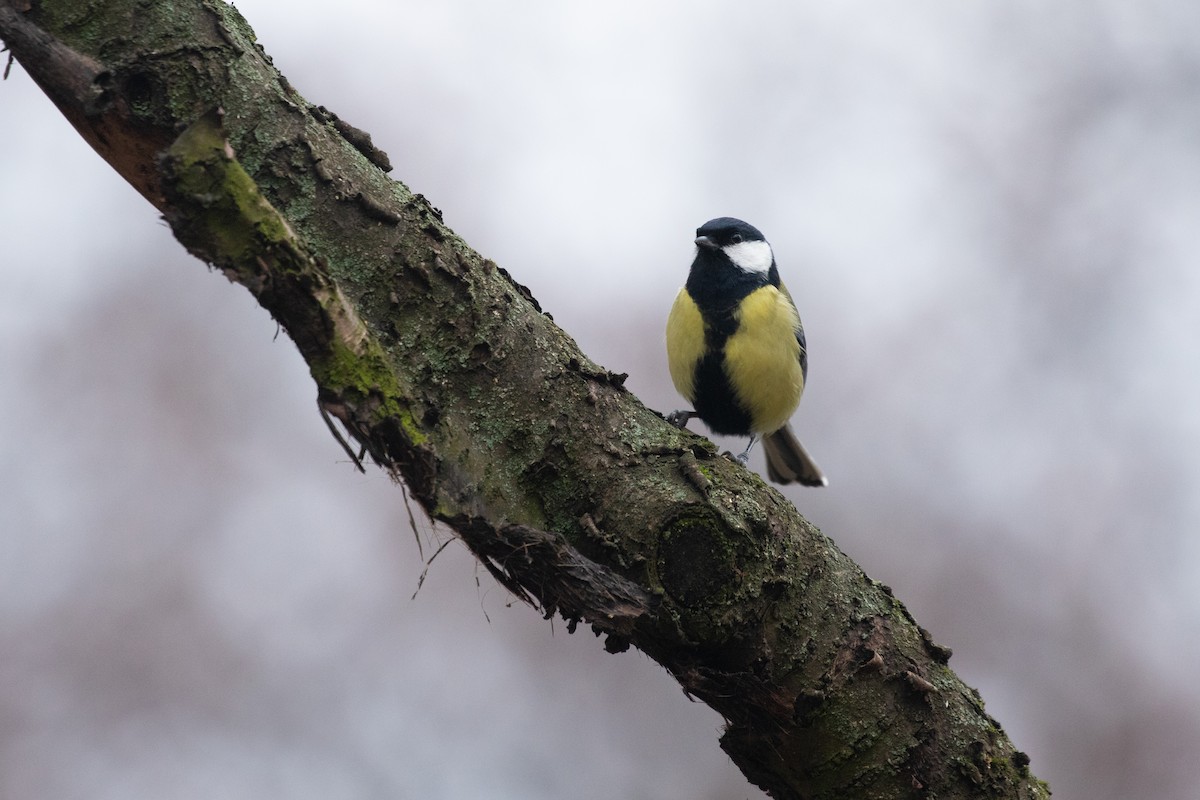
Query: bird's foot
point(744, 456)
point(680, 418)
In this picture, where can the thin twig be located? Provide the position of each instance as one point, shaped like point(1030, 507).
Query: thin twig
point(412, 521)
point(340, 439)
point(424, 572)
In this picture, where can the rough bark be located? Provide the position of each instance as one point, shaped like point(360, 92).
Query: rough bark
point(572, 493)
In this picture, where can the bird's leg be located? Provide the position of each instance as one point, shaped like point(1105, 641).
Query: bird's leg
point(744, 456)
point(680, 418)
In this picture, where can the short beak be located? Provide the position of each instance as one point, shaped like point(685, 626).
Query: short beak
point(704, 241)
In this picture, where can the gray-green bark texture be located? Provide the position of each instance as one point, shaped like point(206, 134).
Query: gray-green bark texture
point(571, 492)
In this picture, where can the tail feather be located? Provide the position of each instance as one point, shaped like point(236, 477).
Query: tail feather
point(789, 462)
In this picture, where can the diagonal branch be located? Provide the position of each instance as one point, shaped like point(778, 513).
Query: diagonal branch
point(574, 495)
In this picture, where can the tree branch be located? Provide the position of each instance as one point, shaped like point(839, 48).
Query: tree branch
point(574, 495)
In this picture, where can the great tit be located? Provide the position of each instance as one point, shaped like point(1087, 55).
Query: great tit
point(736, 348)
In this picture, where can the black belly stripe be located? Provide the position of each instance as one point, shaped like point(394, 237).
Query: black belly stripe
point(715, 402)
point(714, 399)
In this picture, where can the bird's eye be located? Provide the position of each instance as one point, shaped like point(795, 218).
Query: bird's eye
point(736, 238)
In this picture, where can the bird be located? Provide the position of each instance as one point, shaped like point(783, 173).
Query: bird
point(736, 348)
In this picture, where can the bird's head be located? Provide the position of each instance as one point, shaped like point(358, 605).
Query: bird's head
point(740, 242)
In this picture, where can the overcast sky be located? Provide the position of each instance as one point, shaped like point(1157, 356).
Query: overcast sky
point(989, 216)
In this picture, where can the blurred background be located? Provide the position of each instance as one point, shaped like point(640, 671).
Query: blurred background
point(989, 216)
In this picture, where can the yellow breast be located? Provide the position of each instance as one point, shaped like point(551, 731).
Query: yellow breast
point(762, 356)
point(762, 359)
point(685, 344)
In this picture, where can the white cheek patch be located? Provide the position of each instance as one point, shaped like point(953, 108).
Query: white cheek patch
point(750, 256)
